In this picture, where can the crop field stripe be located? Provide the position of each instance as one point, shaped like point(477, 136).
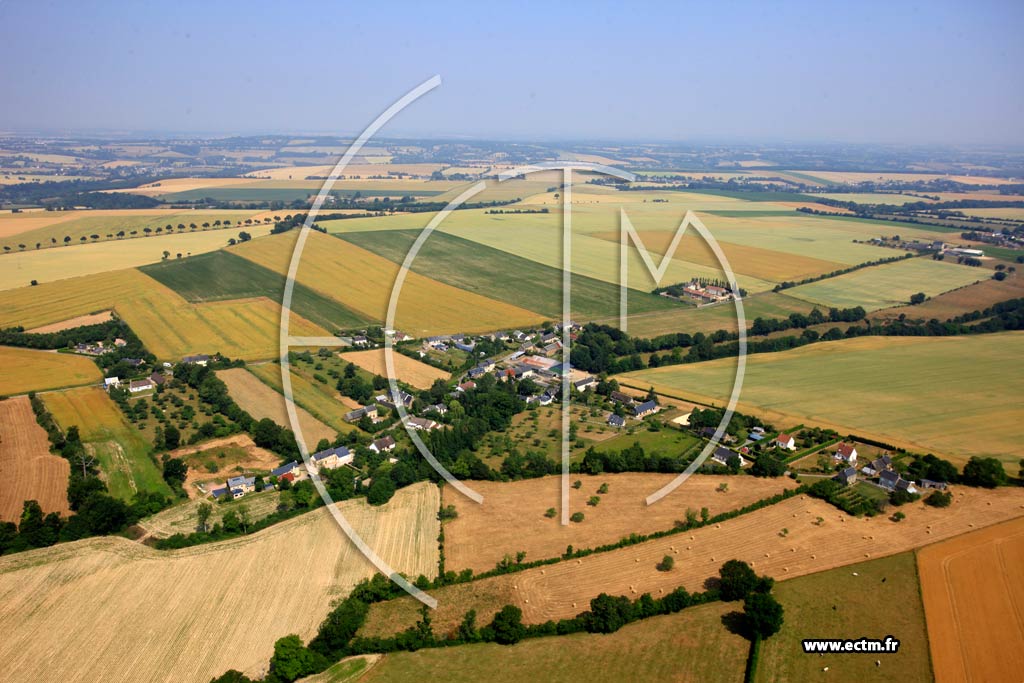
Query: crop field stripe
point(501, 275)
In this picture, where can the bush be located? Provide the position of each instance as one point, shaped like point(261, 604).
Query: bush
point(762, 614)
point(666, 564)
point(576, 517)
point(551, 513)
point(985, 472)
point(939, 499)
point(507, 627)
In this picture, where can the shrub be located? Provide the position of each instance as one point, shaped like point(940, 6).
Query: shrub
point(666, 564)
point(551, 513)
point(576, 517)
point(939, 499)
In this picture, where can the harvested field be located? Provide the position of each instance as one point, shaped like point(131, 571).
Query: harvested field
point(511, 518)
point(232, 455)
point(260, 401)
point(26, 370)
point(865, 607)
point(869, 177)
point(967, 299)
point(973, 588)
point(144, 615)
point(48, 265)
point(77, 321)
point(408, 370)
point(565, 589)
point(27, 467)
point(709, 319)
point(123, 453)
point(692, 645)
point(425, 306)
point(322, 401)
point(887, 389)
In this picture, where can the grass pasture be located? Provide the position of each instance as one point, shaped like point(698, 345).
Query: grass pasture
point(837, 604)
point(123, 454)
point(887, 285)
point(285, 576)
point(966, 299)
point(221, 275)
point(709, 319)
point(28, 468)
point(362, 281)
point(692, 645)
point(26, 370)
point(973, 590)
point(885, 387)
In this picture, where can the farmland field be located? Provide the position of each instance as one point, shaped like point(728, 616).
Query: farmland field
point(320, 400)
point(123, 454)
point(408, 370)
point(562, 590)
point(106, 224)
point(974, 297)
point(177, 612)
point(183, 517)
point(26, 370)
point(28, 468)
point(889, 390)
point(47, 265)
point(891, 284)
point(362, 281)
point(221, 275)
point(692, 645)
point(511, 518)
point(70, 323)
point(503, 276)
point(838, 604)
point(167, 324)
point(973, 588)
point(260, 401)
point(712, 318)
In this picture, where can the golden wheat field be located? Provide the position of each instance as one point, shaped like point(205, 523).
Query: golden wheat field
point(409, 370)
point(26, 370)
point(806, 546)
point(27, 467)
point(973, 590)
point(167, 324)
point(70, 323)
point(363, 281)
point(114, 610)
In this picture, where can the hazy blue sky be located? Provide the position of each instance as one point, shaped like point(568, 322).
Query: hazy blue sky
point(926, 72)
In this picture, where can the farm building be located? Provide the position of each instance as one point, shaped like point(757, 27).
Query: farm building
point(466, 386)
point(384, 444)
point(387, 400)
point(332, 458)
point(785, 441)
point(619, 397)
point(892, 481)
point(723, 455)
point(360, 413)
point(585, 383)
point(847, 476)
point(877, 466)
point(138, 385)
point(241, 485)
point(929, 484)
point(157, 378)
point(422, 424)
point(281, 472)
point(111, 383)
point(642, 410)
point(199, 359)
point(439, 408)
point(846, 453)
point(616, 420)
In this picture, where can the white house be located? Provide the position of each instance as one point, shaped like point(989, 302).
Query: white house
point(332, 458)
point(383, 445)
point(786, 442)
point(846, 453)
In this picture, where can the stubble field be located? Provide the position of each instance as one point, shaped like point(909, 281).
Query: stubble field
point(973, 588)
point(26, 370)
point(409, 370)
point(27, 467)
point(511, 518)
point(189, 615)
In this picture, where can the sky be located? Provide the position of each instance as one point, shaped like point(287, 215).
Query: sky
point(864, 72)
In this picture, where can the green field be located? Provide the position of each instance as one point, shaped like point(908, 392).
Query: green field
point(666, 441)
point(123, 454)
point(284, 194)
point(712, 318)
point(952, 396)
point(320, 400)
point(891, 284)
point(692, 645)
point(221, 275)
point(837, 604)
point(503, 276)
